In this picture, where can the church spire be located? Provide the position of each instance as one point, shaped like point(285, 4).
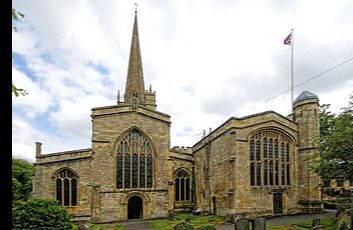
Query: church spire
point(135, 86)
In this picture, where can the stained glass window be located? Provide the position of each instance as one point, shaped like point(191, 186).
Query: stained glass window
point(283, 177)
point(282, 151)
point(258, 174)
point(134, 162)
point(127, 171)
point(288, 174)
point(142, 171)
point(276, 173)
point(252, 174)
point(271, 172)
point(134, 170)
point(182, 186)
point(258, 150)
point(269, 164)
point(66, 188)
point(270, 148)
point(265, 147)
point(265, 173)
point(287, 152)
point(149, 171)
point(252, 150)
point(119, 170)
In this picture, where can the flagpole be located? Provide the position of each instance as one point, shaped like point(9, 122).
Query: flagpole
point(292, 70)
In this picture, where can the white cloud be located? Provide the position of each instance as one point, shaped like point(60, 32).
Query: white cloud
point(207, 60)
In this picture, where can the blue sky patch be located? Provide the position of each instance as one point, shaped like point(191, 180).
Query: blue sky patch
point(21, 64)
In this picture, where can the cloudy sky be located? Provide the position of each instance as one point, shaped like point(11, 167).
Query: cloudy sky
point(208, 60)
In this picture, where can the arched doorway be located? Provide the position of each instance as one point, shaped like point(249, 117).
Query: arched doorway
point(135, 208)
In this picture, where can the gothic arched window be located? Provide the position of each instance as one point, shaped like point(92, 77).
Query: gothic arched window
point(134, 162)
point(271, 166)
point(182, 186)
point(66, 188)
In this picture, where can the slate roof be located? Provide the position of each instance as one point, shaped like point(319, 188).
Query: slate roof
point(304, 96)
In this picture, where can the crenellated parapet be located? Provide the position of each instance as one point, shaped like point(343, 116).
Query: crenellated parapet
point(182, 149)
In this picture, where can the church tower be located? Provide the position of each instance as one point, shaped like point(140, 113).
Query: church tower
point(131, 142)
point(306, 115)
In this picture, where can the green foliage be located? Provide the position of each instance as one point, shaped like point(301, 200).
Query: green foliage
point(183, 226)
point(195, 220)
point(327, 120)
point(16, 16)
point(335, 160)
point(17, 91)
point(207, 227)
point(40, 214)
point(22, 173)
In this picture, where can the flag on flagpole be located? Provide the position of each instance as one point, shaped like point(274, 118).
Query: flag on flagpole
point(288, 40)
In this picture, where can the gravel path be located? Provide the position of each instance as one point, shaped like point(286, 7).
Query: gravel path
point(137, 225)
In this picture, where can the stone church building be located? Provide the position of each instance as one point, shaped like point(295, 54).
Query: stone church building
point(253, 165)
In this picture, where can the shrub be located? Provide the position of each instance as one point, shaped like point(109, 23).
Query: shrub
point(40, 214)
point(207, 227)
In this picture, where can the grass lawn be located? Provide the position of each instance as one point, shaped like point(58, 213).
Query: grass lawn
point(328, 222)
point(166, 224)
point(196, 221)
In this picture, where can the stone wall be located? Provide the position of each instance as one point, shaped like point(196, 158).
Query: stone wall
point(222, 168)
point(47, 166)
point(109, 125)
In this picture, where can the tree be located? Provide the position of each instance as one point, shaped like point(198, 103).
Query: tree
point(335, 158)
point(16, 16)
point(327, 120)
point(40, 214)
point(22, 173)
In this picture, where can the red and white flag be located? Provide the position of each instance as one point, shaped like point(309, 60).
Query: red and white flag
point(288, 40)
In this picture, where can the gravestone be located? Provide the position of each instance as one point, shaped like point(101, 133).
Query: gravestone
point(259, 223)
point(316, 225)
point(242, 224)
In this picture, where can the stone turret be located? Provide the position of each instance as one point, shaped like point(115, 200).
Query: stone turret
point(306, 115)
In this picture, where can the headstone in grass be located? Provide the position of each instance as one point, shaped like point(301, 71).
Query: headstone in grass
point(259, 223)
point(242, 224)
point(183, 226)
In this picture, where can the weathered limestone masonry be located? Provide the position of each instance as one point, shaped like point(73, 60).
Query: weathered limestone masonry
point(222, 165)
point(250, 166)
point(47, 167)
point(110, 123)
point(181, 158)
point(222, 168)
point(306, 115)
